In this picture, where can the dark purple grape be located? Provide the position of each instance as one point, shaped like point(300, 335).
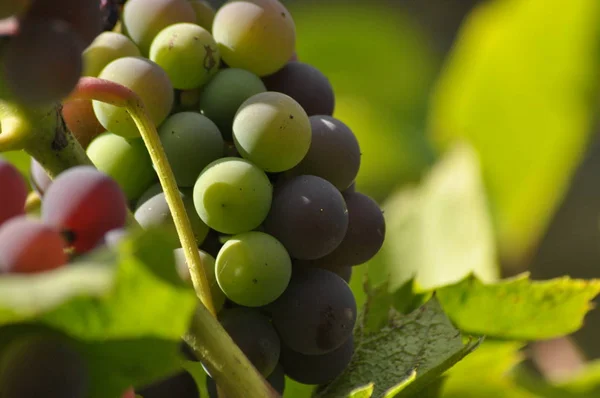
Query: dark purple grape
point(84, 16)
point(40, 180)
point(255, 336)
point(344, 271)
point(317, 312)
point(182, 385)
point(43, 62)
point(109, 10)
point(86, 204)
point(334, 153)
point(306, 84)
point(308, 216)
point(40, 366)
point(317, 369)
point(14, 192)
point(276, 379)
point(29, 246)
point(365, 234)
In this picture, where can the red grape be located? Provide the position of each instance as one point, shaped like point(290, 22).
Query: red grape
point(86, 204)
point(29, 246)
point(13, 192)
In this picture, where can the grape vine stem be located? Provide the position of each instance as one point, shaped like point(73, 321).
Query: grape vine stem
point(231, 370)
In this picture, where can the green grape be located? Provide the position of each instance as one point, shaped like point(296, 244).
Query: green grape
point(143, 19)
point(188, 53)
point(191, 141)
point(222, 96)
point(126, 161)
point(148, 81)
point(105, 48)
point(209, 264)
point(205, 13)
point(253, 269)
point(257, 35)
point(232, 195)
point(272, 130)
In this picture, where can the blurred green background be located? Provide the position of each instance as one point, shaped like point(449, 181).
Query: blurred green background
point(478, 127)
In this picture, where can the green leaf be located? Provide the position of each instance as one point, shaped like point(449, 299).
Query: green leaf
point(125, 319)
point(197, 371)
point(362, 392)
point(440, 231)
point(518, 308)
point(401, 356)
point(487, 372)
point(521, 86)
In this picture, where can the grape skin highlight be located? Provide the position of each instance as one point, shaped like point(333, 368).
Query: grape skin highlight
point(272, 130)
point(253, 269)
point(147, 80)
point(256, 35)
point(188, 53)
point(232, 195)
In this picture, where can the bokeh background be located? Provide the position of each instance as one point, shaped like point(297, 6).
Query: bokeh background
point(478, 124)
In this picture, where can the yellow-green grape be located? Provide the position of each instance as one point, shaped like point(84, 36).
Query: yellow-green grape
point(222, 96)
point(143, 19)
point(148, 81)
point(209, 264)
point(232, 196)
point(126, 161)
point(205, 13)
point(253, 269)
point(191, 141)
point(188, 53)
point(272, 131)
point(257, 35)
point(105, 48)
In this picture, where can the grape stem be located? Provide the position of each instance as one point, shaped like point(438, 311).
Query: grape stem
point(232, 371)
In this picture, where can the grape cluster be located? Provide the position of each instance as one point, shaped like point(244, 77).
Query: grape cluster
point(265, 171)
point(79, 208)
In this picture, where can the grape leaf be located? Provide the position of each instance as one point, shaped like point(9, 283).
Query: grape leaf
point(487, 372)
point(402, 356)
point(362, 392)
point(521, 87)
point(518, 308)
point(440, 231)
point(126, 319)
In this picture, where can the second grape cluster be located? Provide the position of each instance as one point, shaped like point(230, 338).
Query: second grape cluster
point(265, 171)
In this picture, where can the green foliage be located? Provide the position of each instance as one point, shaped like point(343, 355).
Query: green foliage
point(584, 384)
point(518, 308)
point(399, 355)
point(125, 319)
point(521, 86)
point(439, 232)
